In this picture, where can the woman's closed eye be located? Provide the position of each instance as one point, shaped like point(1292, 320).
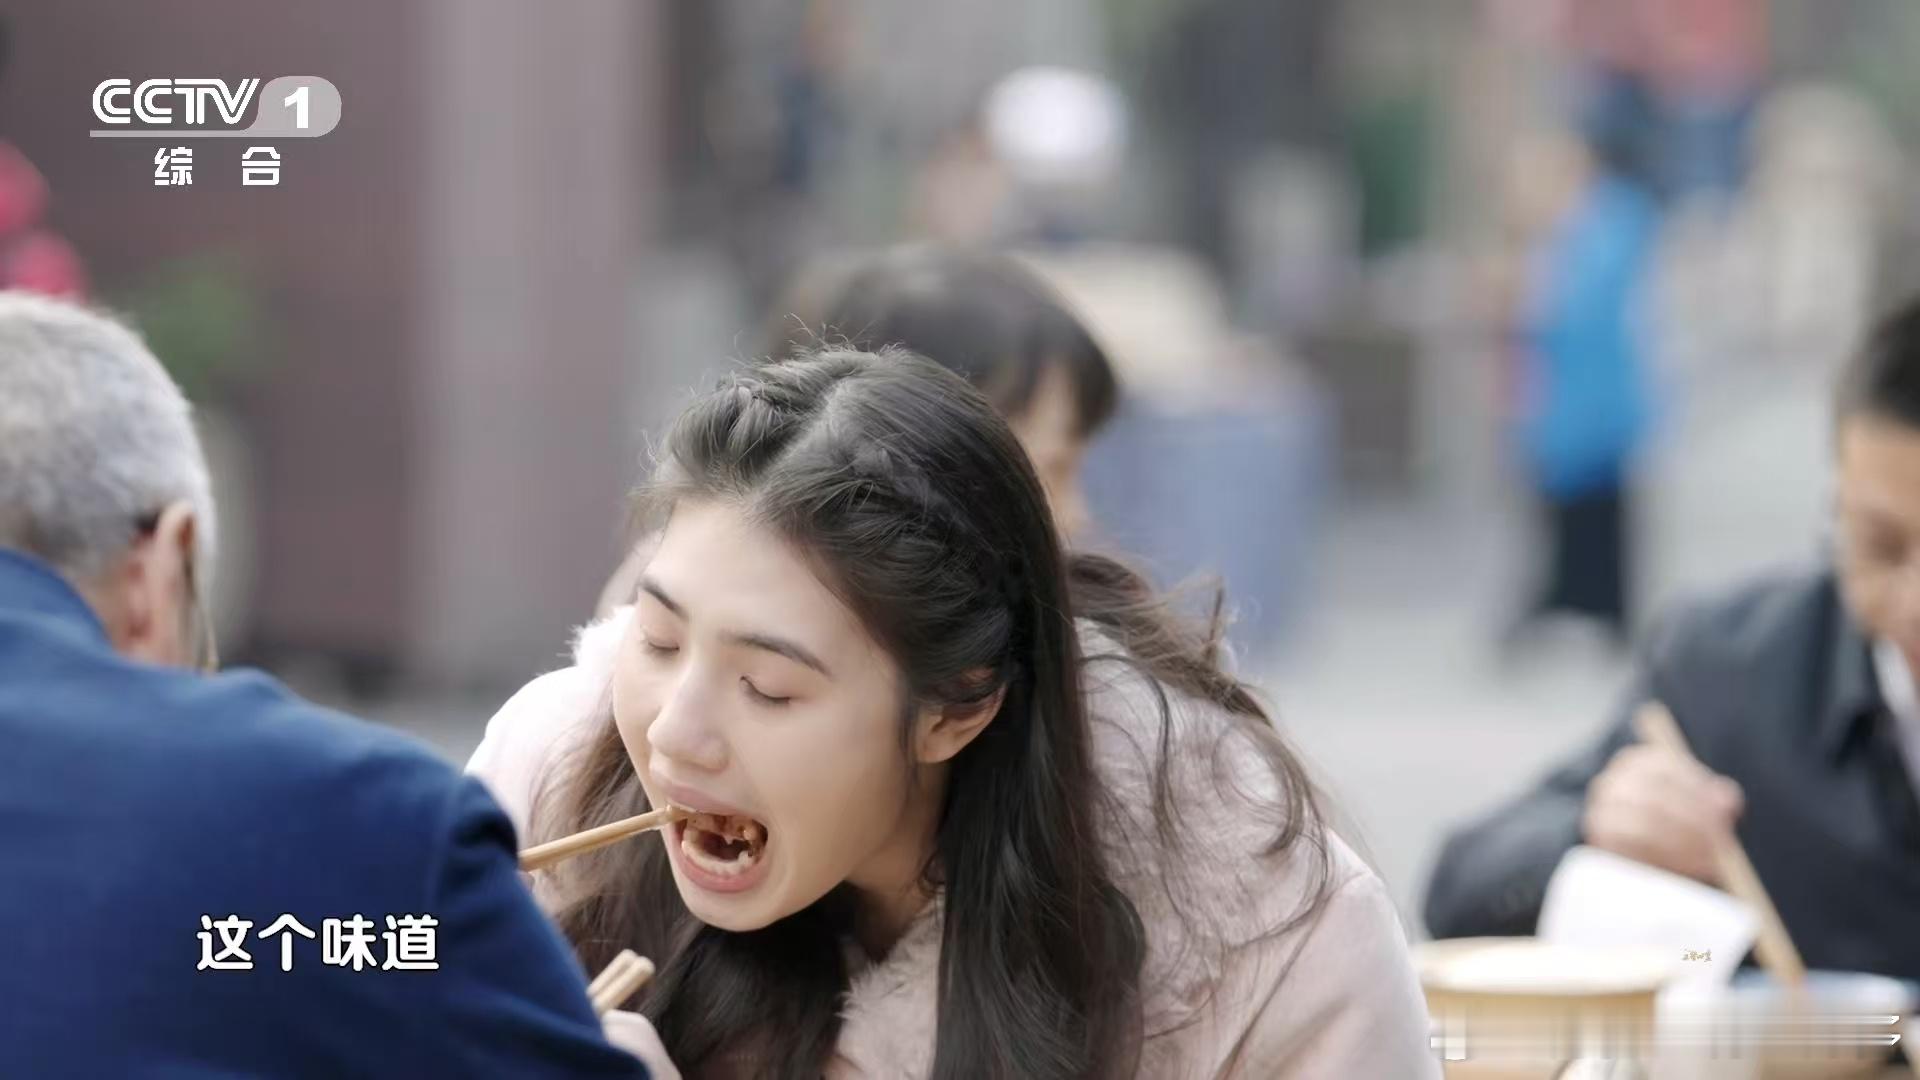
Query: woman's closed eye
point(658, 648)
point(756, 694)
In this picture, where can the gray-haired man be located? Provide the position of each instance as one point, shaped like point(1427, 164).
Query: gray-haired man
point(206, 875)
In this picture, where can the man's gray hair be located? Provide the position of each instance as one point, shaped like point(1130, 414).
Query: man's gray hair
point(94, 438)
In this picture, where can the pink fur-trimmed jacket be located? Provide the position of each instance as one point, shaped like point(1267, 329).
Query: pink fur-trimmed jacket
point(1225, 999)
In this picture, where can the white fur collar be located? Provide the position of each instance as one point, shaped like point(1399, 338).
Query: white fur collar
point(596, 644)
point(892, 1007)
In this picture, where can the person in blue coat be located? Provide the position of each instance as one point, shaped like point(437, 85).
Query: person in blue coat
point(1585, 399)
point(200, 874)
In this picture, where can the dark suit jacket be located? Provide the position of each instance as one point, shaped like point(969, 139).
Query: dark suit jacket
point(1774, 687)
point(135, 799)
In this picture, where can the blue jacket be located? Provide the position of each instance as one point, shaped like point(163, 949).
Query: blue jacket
point(1589, 406)
point(136, 799)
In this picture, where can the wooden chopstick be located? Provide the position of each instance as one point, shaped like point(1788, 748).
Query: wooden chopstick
point(1774, 948)
point(566, 847)
point(621, 980)
point(614, 967)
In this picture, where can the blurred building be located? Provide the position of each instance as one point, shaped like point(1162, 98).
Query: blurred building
point(434, 421)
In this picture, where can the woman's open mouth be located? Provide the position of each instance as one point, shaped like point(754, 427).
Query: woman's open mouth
point(720, 852)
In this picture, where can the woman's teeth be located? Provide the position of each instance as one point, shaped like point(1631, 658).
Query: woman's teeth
point(727, 846)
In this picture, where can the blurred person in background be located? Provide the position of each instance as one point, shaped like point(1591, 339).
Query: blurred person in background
point(1003, 329)
point(1818, 224)
point(1580, 394)
point(1228, 83)
point(1797, 695)
point(1679, 82)
point(970, 805)
point(964, 192)
point(978, 314)
point(143, 802)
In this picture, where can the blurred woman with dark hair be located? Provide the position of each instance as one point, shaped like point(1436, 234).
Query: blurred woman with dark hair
point(980, 315)
point(998, 325)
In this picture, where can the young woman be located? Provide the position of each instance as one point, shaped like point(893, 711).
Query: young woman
point(968, 807)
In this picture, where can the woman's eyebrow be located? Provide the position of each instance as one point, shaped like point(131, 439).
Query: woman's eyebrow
point(652, 588)
point(799, 654)
point(783, 647)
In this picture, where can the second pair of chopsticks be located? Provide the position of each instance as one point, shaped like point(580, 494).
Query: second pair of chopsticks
point(621, 980)
point(580, 843)
point(1775, 949)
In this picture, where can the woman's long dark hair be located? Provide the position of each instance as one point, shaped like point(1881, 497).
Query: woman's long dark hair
point(979, 314)
point(916, 505)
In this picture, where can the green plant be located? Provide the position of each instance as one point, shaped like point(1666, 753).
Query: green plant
point(201, 315)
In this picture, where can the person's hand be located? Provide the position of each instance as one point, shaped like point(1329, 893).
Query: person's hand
point(1663, 809)
point(633, 1033)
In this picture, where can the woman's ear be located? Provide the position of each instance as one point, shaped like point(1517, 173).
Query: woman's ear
point(942, 731)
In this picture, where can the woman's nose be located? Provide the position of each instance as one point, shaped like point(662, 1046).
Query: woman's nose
point(682, 731)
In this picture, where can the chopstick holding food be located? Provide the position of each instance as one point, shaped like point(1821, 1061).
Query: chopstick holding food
point(580, 843)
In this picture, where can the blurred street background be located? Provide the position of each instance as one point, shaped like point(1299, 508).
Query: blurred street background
point(1326, 242)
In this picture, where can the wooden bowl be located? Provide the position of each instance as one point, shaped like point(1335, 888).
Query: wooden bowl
point(1520, 1008)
